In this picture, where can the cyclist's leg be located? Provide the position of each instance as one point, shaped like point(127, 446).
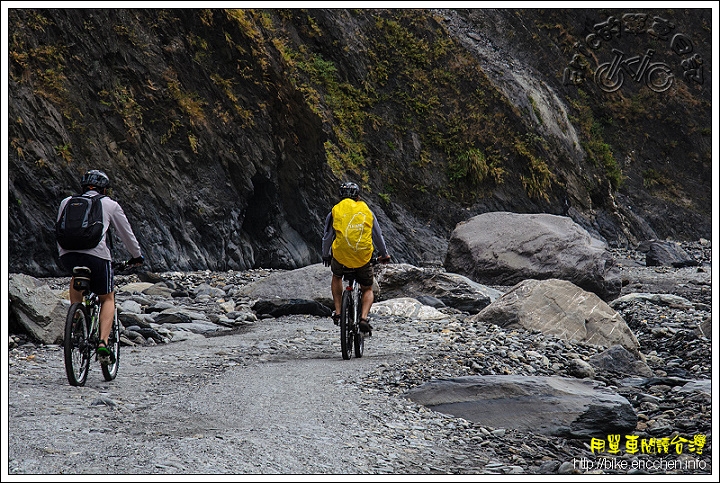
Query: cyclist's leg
point(337, 288)
point(102, 285)
point(364, 276)
point(368, 297)
point(336, 285)
point(107, 313)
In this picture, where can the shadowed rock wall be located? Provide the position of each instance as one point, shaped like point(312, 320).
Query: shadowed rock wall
point(226, 132)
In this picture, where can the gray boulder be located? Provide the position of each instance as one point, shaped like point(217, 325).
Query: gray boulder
point(655, 298)
point(308, 283)
point(36, 309)
point(503, 248)
point(280, 307)
point(579, 368)
point(562, 309)
point(179, 315)
point(555, 406)
point(128, 319)
point(660, 253)
point(619, 360)
point(452, 289)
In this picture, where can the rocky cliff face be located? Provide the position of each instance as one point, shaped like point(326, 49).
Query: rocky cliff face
point(226, 132)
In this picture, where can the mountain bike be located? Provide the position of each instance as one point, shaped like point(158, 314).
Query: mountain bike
point(351, 338)
point(350, 335)
point(82, 332)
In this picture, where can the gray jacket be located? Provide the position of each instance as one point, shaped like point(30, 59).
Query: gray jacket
point(112, 214)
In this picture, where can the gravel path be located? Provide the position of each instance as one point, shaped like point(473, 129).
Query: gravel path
point(277, 399)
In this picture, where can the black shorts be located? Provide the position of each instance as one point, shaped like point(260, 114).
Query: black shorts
point(364, 275)
point(101, 278)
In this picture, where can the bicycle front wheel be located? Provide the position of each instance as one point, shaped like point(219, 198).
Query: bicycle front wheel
point(110, 370)
point(76, 345)
point(346, 326)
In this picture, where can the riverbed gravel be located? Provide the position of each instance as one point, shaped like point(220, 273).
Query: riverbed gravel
point(274, 397)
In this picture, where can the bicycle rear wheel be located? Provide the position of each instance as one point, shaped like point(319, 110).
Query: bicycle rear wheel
point(346, 326)
point(359, 338)
point(359, 344)
point(109, 371)
point(76, 345)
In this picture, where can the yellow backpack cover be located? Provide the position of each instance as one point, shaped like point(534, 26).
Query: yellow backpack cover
point(353, 222)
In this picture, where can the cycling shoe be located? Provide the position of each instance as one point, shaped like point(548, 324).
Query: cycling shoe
point(365, 327)
point(105, 355)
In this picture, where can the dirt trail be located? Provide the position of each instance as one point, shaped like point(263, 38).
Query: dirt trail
point(276, 399)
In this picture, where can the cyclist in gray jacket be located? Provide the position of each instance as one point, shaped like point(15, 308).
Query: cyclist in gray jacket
point(99, 259)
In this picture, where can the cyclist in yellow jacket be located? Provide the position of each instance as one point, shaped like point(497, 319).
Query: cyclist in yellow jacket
point(351, 236)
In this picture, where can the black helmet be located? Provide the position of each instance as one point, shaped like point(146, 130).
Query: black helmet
point(95, 178)
point(349, 190)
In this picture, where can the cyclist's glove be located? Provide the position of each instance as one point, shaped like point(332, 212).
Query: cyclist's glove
point(326, 261)
point(136, 261)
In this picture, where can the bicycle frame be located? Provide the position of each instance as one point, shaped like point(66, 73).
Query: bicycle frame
point(92, 303)
point(354, 288)
point(350, 335)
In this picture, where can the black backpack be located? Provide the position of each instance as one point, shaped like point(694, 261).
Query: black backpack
point(81, 223)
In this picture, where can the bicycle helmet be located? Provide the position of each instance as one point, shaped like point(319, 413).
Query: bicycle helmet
point(95, 178)
point(349, 190)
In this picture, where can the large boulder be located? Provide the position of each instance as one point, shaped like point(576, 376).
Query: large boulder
point(36, 309)
point(559, 308)
point(452, 289)
point(502, 248)
point(308, 283)
point(555, 406)
point(660, 253)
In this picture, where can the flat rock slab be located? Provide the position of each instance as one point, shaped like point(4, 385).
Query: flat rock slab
point(407, 307)
point(555, 406)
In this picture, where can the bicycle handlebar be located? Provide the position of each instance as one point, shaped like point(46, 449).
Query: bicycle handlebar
point(383, 260)
point(124, 265)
